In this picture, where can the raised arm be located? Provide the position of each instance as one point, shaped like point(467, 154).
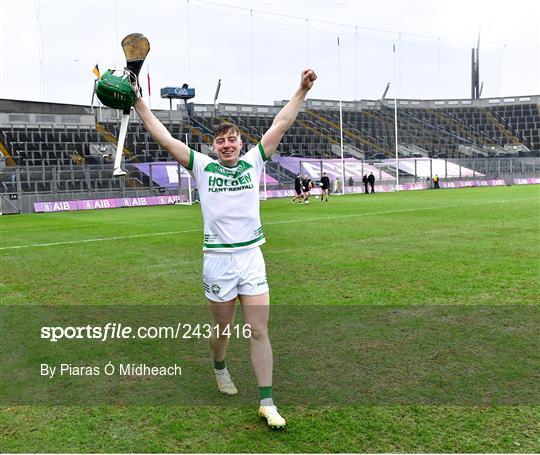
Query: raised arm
point(287, 115)
point(177, 149)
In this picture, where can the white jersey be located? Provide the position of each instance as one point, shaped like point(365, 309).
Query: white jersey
point(229, 200)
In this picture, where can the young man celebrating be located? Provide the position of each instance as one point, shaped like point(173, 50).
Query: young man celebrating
point(233, 265)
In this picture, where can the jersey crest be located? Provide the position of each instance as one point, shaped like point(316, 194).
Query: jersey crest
point(234, 173)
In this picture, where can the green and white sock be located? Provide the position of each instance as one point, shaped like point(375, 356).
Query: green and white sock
point(220, 367)
point(265, 395)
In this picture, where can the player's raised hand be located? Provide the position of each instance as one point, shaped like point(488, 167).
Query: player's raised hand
point(307, 79)
point(135, 84)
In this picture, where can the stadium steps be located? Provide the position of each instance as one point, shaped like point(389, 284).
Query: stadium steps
point(441, 141)
point(317, 132)
point(201, 126)
point(358, 124)
point(281, 174)
point(110, 138)
point(9, 159)
point(353, 122)
point(245, 133)
point(198, 132)
point(135, 183)
point(388, 127)
point(520, 120)
point(447, 119)
point(364, 141)
point(501, 127)
point(412, 130)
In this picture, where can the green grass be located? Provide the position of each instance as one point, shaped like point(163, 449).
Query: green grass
point(401, 252)
point(366, 429)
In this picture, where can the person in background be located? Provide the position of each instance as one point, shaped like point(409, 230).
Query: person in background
point(325, 187)
point(337, 186)
point(298, 190)
point(307, 185)
point(371, 181)
point(365, 182)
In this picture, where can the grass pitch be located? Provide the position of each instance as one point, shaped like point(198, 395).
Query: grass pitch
point(462, 247)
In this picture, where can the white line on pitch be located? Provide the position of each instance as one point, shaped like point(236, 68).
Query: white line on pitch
point(102, 239)
point(155, 234)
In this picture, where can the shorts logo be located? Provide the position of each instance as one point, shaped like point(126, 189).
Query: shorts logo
point(215, 289)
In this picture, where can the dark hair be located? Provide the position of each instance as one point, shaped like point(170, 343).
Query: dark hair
point(224, 128)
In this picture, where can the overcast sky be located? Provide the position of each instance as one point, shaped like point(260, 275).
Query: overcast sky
point(258, 48)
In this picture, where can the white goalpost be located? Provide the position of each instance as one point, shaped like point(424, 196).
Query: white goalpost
point(263, 196)
point(185, 188)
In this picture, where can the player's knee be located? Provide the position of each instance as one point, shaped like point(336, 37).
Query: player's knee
point(259, 332)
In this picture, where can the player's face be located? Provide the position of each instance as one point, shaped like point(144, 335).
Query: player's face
point(227, 147)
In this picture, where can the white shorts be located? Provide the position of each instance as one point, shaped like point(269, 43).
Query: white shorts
point(227, 275)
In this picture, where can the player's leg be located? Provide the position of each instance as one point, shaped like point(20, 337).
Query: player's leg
point(219, 285)
point(222, 317)
point(256, 312)
point(255, 299)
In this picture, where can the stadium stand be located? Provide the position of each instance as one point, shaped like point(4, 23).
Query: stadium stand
point(58, 147)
